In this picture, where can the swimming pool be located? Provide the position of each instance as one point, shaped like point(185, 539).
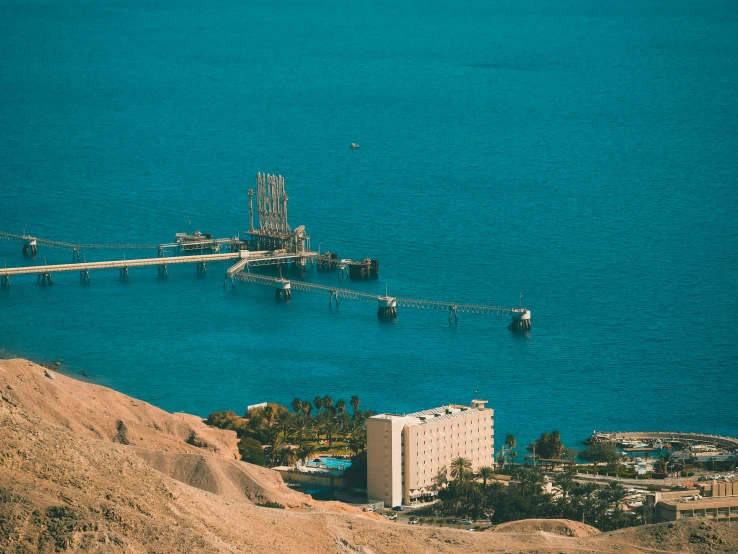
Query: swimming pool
point(330, 463)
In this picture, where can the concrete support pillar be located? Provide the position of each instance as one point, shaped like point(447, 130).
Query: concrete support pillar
point(334, 295)
point(5, 281)
point(163, 271)
point(520, 320)
point(29, 246)
point(123, 273)
point(283, 289)
point(84, 276)
point(387, 307)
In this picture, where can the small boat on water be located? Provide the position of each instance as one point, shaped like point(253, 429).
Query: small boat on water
point(633, 444)
point(354, 146)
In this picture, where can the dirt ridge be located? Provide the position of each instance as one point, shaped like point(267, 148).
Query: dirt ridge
point(69, 482)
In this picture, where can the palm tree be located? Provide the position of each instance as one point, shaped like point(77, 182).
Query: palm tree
point(441, 478)
point(297, 405)
point(564, 483)
point(496, 491)
point(302, 426)
point(512, 455)
point(321, 421)
point(284, 420)
point(485, 472)
point(530, 481)
point(305, 451)
point(460, 468)
point(341, 406)
point(285, 456)
point(510, 441)
point(275, 445)
point(590, 489)
point(307, 407)
point(343, 420)
point(643, 512)
point(327, 402)
point(318, 401)
point(502, 460)
point(330, 427)
point(355, 402)
point(616, 493)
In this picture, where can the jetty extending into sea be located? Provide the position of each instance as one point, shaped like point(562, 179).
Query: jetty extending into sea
point(270, 243)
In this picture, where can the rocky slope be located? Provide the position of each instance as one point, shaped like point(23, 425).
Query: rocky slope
point(84, 468)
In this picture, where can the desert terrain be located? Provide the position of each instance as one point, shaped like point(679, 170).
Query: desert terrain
point(84, 468)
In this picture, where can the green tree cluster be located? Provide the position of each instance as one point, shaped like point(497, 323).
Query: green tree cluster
point(600, 453)
point(548, 445)
point(474, 495)
point(275, 428)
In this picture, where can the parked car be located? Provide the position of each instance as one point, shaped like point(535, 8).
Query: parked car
point(398, 508)
point(465, 521)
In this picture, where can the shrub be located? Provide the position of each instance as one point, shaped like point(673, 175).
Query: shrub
point(252, 452)
point(197, 441)
point(122, 432)
point(270, 504)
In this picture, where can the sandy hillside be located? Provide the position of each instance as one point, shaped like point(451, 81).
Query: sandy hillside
point(69, 481)
point(562, 527)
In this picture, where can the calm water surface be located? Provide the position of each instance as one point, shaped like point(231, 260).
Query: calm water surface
point(582, 153)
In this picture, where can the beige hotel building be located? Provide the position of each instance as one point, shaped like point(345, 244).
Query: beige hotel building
point(405, 452)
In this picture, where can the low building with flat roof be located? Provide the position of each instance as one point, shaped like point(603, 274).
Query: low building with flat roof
point(717, 501)
point(724, 508)
point(406, 452)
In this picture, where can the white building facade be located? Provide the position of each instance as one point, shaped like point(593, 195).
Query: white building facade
point(406, 452)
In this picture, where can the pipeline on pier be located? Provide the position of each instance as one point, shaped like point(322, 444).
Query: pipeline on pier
point(272, 242)
point(387, 305)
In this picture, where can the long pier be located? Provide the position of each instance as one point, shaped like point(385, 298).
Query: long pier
point(183, 243)
point(245, 257)
point(44, 272)
point(387, 305)
point(71, 246)
point(272, 242)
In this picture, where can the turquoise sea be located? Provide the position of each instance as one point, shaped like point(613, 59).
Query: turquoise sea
point(582, 152)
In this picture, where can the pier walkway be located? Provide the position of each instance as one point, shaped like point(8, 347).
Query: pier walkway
point(259, 258)
point(384, 302)
point(70, 246)
point(32, 243)
point(84, 268)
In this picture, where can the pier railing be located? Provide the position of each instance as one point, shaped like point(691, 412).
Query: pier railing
point(71, 246)
point(373, 298)
point(135, 262)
